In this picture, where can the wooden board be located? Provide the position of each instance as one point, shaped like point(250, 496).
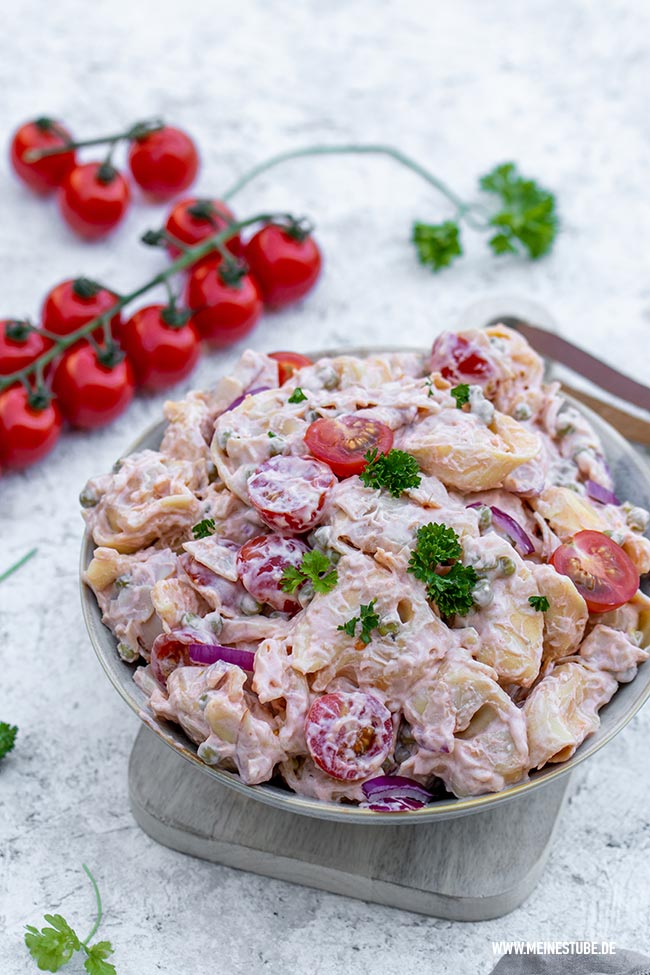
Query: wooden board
point(468, 869)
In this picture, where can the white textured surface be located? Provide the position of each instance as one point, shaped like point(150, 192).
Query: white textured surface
point(560, 87)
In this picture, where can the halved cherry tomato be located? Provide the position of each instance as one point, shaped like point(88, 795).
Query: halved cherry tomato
point(349, 735)
point(261, 562)
point(20, 345)
point(91, 394)
point(458, 359)
point(193, 219)
point(42, 175)
point(28, 430)
point(601, 571)
point(72, 303)
point(343, 441)
point(222, 312)
point(169, 651)
point(288, 364)
point(289, 492)
point(161, 352)
point(286, 266)
point(164, 162)
point(93, 199)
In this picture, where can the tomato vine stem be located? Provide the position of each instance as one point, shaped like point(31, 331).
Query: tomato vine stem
point(186, 260)
point(463, 209)
point(137, 131)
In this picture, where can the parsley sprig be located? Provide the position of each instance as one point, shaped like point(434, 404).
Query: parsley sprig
point(460, 394)
point(203, 529)
point(526, 221)
point(395, 471)
point(297, 396)
point(314, 568)
point(8, 734)
point(369, 621)
point(54, 945)
point(436, 562)
point(539, 603)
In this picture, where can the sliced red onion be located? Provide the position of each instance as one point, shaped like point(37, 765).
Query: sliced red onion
point(240, 399)
point(393, 787)
point(513, 530)
point(597, 492)
point(393, 805)
point(210, 653)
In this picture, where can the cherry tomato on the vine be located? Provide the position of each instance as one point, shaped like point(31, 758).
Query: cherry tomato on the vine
point(288, 364)
point(289, 492)
point(261, 562)
point(164, 162)
point(459, 360)
point(90, 393)
point(349, 734)
point(30, 425)
point(20, 345)
point(73, 303)
point(223, 312)
point(162, 345)
point(45, 174)
point(604, 575)
point(192, 220)
point(342, 442)
point(285, 264)
point(93, 199)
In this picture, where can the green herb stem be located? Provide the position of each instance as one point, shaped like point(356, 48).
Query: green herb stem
point(98, 898)
point(18, 565)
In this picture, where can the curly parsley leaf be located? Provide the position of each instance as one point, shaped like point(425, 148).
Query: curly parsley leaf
point(395, 471)
point(297, 396)
point(315, 568)
point(8, 734)
point(369, 621)
point(435, 561)
point(527, 220)
point(539, 603)
point(203, 529)
point(53, 946)
point(438, 244)
point(461, 394)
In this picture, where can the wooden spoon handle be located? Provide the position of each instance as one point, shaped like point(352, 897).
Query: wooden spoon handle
point(632, 427)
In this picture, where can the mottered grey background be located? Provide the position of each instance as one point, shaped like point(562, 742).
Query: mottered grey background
point(559, 87)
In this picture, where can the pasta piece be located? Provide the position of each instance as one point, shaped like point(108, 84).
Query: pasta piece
point(611, 650)
point(562, 710)
point(567, 614)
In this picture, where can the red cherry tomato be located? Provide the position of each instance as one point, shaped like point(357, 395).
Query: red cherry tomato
point(343, 441)
point(42, 175)
point(459, 360)
point(288, 364)
point(161, 352)
point(289, 492)
point(192, 220)
point(164, 162)
point(261, 562)
point(169, 651)
point(601, 571)
point(72, 303)
point(27, 431)
point(285, 267)
point(93, 199)
point(91, 394)
point(349, 735)
point(223, 313)
point(20, 345)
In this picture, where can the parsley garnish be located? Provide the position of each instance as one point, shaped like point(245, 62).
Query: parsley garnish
point(437, 244)
point(368, 619)
point(461, 394)
point(315, 568)
point(428, 382)
point(8, 734)
point(396, 471)
point(204, 528)
point(438, 546)
point(271, 435)
point(297, 396)
point(54, 945)
point(540, 603)
point(527, 219)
